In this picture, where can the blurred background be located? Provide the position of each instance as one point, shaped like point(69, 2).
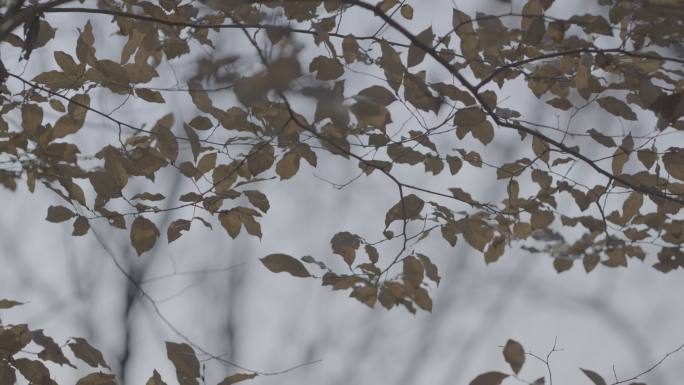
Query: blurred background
point(215, 291)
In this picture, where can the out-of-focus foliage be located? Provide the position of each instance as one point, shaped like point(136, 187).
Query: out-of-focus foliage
point(18, 341)
point(625, 61)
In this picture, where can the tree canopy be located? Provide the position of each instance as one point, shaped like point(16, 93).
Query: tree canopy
point(279, 87)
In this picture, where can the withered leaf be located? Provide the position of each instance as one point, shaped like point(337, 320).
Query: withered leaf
point(377, 95)
point(616, 107)
point(594, 377)
point(7, 374)
point(235, 378)
point(149, 196)
point(87, 353)
point(149, 95)
point(674, 163)
point(326, 68)
point(155, 379)
point(166, 140)
point(415, 53)
point(422, 299)
point(260, 159)
point(288, 165)
point(185, 361)
point(476, 233)
point(97, 379)
point(201, 123)
point(412, 271)
point(230, 220)
point(206, 163)
point(58, 214)
point(346, 244)
point(600, 138)
point(562, 264)
point(560, 103)
point(430, 269)
point(175, 229)
point(514, 354)
point(391, 64)
point(406, 11)
point(74, 119)
point(407, 208)
point(495, 250)
point(278, 263)
point(258, 199)
point(350, 49)
point(8, 303)
point(144, 234)
point(489, 378)
point(81, 226)
point(33, 370)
